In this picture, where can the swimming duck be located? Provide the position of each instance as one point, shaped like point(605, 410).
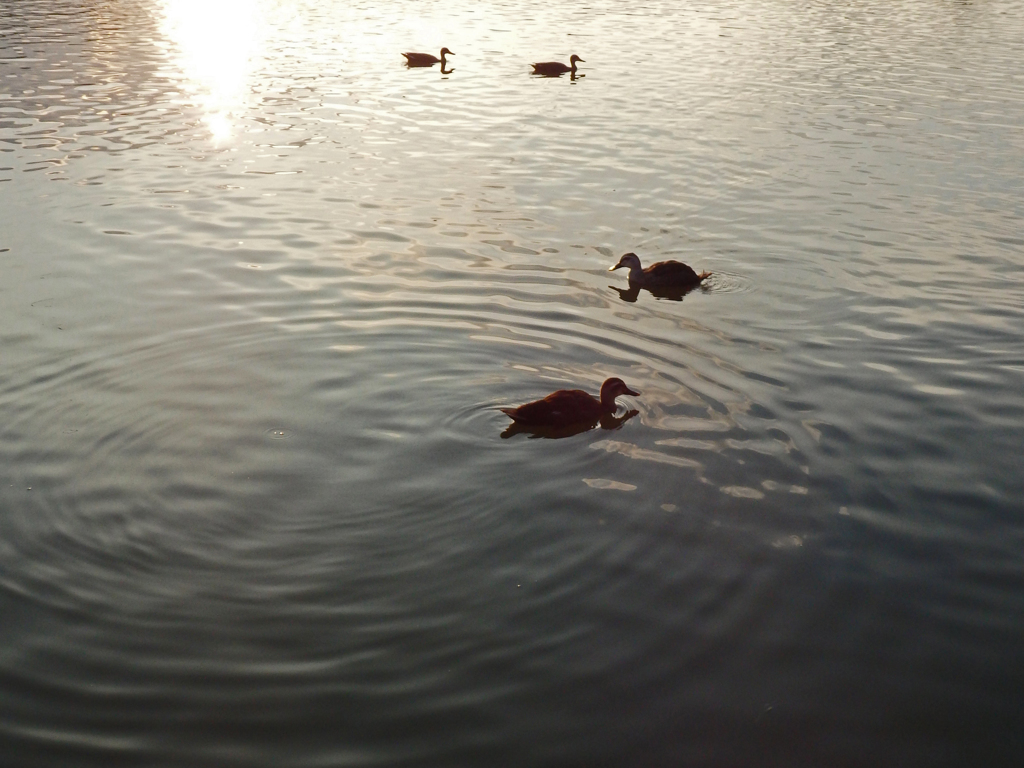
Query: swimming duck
point(556, 68)
point(568, 407)
point(663, 274)
point(426, 59)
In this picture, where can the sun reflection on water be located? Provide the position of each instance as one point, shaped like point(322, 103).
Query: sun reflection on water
point(217, 44)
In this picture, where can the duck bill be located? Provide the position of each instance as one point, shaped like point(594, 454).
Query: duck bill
point(631, 392)
point(612, 269)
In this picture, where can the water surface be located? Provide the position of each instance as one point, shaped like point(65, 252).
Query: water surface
point(264, 290)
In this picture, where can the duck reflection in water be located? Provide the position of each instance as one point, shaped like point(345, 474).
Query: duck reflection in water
point(427, 59)
point(664, 280)
point(569, 412)
point(632, 293)
point(557, 68)
point(607, 421)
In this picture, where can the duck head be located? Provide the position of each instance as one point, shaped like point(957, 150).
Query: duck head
point(630, 261)
point(611, 389)
point(574, 58)
point(446, 52)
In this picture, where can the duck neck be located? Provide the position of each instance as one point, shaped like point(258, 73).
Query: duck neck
point(636, 274)
point(608, 402)
point(573, 68)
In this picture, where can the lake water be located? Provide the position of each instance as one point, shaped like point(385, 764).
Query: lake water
point(264, 289)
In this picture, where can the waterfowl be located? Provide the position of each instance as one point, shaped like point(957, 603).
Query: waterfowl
point(569, 407)
point(665, 275)
point(556, 68)
point(426, 59)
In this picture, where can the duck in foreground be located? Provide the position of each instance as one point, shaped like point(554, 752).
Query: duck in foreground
point(556, 68)
point(570, 407)
point(426, 59)
point(664, 275)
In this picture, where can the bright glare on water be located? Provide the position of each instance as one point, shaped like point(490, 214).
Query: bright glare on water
point(264, 290)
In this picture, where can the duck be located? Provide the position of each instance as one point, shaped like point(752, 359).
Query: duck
point(569, 407)
point(664, 275)
point(426, 59)
point(556, 68)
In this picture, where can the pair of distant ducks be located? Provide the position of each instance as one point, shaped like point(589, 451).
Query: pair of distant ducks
point(569, 411)
point(546, 68)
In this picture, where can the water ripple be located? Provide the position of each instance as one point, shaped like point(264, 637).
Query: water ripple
point(257, 507)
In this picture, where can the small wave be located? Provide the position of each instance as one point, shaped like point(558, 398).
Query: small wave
point(727, 282)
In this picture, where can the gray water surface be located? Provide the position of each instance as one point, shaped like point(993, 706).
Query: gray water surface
point(264, 289)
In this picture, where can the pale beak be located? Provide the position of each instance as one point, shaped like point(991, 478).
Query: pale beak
point(612, 269)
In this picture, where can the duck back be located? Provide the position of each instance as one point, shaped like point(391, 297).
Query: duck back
point(550, 68)
point(420, 59)
point(672, 273)
point(559, 409)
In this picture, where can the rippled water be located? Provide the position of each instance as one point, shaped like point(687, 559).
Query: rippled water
point(264, 290)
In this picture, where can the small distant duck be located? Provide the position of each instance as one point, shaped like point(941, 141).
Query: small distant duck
point(568, 407)
point(556, 68)
point(662, 275)
point(426, 59)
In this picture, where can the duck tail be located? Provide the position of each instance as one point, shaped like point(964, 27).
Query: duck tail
point(704, 275)
point(510, 412)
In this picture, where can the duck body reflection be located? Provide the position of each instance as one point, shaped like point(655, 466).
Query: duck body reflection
point(632, 293)
point(556, 68)
point(427, 59)
point(570, 411)
point(607, 421)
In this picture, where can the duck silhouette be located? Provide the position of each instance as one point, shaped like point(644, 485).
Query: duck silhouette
point(570, 411)
point(665, 277)
point(556, 68)
point(426, 59)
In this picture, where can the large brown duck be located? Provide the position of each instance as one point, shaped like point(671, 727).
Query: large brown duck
point(568, 407)
point(426, 59)
point(556, 68)
point(661, 275)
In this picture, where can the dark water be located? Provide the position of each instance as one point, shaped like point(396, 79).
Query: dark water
point(264, 289)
